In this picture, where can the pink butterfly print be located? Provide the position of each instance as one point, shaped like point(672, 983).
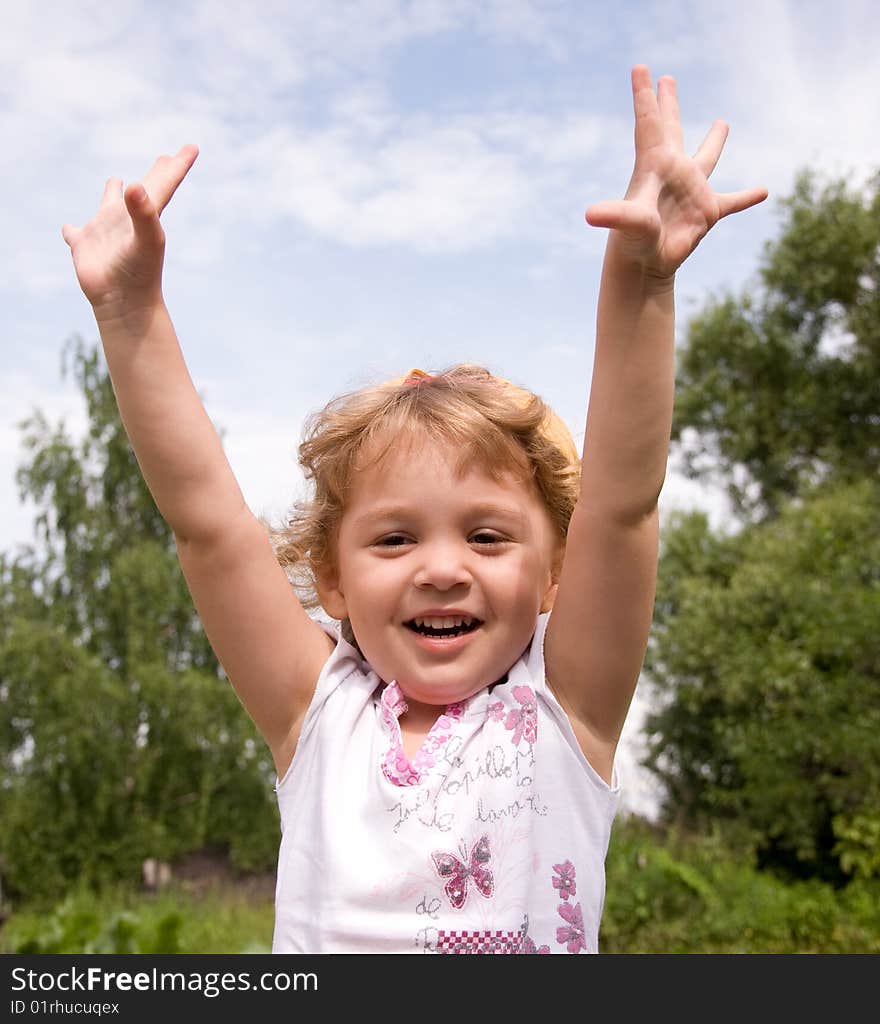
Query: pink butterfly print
point(458, 874)
point(524, 721)
point(573, 934)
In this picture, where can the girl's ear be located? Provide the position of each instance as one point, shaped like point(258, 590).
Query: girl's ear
point(549, 597)
point(550, 593)
point(330, 594)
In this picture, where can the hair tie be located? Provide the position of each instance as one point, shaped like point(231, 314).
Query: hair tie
point(416, 376)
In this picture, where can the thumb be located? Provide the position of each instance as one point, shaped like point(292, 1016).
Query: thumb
point(70, 234)
point(618, 214)
point(144, 216)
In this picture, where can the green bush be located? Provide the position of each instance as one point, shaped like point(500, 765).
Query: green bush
point(120, 920)
point(74, 928)
point(676, 894)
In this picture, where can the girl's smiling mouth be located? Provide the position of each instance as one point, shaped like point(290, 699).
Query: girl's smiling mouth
point(443, 627)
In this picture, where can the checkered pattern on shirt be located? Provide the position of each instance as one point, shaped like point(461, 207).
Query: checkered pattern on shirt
point(493, 942)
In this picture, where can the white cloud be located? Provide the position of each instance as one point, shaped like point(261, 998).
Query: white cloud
point(436, 187)
point(797, 86)
point(367, 174)
point(24, 393)
point(90, 102)
point(294, 107)
point(457, 182)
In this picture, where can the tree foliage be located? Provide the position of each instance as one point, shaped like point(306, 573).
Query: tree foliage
point(766, 650)
point(780, 387)
point(765, 654)
point(120, 738)
point(675, 893)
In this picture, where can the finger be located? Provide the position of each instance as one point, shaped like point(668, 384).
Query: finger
point(112, 191)
point(166, 174)
point(707, 156)
point(667, 101)
point(619, 215)
point(70, 234)
point(144, 215)
point(735, 202)
point(649, 125)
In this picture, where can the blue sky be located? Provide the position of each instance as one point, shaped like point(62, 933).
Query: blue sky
point(386, 184)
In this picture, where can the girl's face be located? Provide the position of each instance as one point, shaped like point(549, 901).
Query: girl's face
point(441, 575)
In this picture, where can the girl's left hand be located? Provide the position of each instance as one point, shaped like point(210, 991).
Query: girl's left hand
point(669, 205)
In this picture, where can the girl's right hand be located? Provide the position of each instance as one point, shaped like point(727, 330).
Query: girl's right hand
point(118, 255)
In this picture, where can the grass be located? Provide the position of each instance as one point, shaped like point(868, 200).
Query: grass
point(219, 919)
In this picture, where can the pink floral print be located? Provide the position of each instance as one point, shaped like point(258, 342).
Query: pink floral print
point(396, 766)
point(523, 720)
point(571, 935)
point(564, 879)
point(496, 711)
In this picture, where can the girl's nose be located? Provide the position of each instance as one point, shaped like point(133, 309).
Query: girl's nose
point(443, 565)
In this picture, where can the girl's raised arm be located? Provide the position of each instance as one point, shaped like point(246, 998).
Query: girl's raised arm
point(269, 647)
point(598, 632)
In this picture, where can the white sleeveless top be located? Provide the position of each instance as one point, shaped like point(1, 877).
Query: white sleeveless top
point(493, 840)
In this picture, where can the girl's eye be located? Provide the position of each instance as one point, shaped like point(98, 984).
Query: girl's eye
point(392, 540)
point(486, 538)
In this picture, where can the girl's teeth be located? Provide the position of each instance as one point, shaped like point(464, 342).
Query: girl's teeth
point(444, 625)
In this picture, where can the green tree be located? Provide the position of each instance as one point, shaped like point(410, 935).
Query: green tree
point(764, 653)
point(120, 737)
point(765, 648)
point(780, 387)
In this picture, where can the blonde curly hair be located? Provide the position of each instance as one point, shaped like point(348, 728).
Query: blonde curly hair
point(487, 420)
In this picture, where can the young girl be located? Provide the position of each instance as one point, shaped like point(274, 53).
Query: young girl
point(445, 759)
